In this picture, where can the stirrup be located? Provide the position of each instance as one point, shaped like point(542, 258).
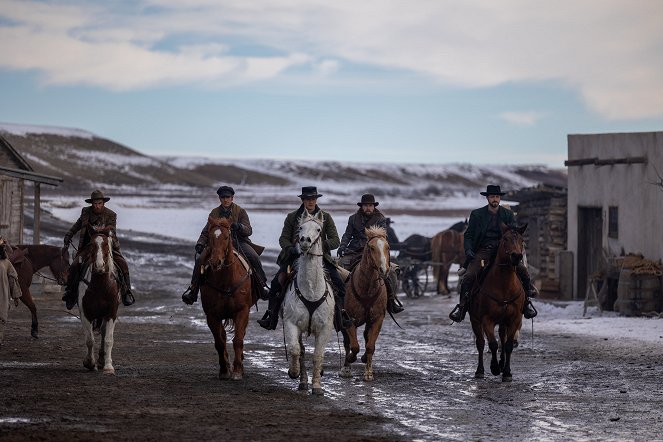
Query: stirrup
point(529, 311)
point(128, 298)
point(457, 314)
point(394, 305)
point(188, 297)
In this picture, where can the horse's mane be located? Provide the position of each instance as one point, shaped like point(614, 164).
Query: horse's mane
point(376, 231)
point(219, 222)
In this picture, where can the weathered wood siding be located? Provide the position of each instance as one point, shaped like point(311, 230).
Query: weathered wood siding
point(11, 209)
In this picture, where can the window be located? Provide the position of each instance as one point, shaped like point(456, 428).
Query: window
point(613, 222)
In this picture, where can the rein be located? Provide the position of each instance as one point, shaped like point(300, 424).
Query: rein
point(308, 252)
point(311, 306)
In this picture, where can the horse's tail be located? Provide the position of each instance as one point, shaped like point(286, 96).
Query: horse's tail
point(96, 325)
point(229, 325)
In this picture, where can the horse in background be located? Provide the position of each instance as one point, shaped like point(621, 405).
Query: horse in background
point(308, 306)
point(366, 300)
point(28, 260)
point(499, 302)
point(446, 249)
point(99, 298)
point(226, 295)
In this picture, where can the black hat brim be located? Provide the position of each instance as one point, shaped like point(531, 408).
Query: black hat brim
point(311, 196)
point(89, 200)
point(368, 202)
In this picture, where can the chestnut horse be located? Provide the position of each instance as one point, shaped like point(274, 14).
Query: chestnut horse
point(499, 302)
point(366, 300)
point(99, 298)
point(226, 295)
point(446, 249)
point(28, 260)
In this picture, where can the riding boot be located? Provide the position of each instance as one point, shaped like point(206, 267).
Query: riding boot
point(394, 306)
point(528, 309)
point(70, 296)
point(458, 313)
point(341, 317)
point(270, 319)
point(190, 295)
point(127, 296)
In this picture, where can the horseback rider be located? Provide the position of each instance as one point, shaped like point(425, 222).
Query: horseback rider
point(354, 239)
point(288, 241)
point(481, 241)
point(241, 227)
point(95, 215)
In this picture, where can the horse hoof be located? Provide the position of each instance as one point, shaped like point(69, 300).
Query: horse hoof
point(368, 377)
point(345, 372)
point(317, 392)
point(364, 358)
point(302, 386)
point(293, 374)
point(35, 334)
point(237, 376)
point(479, 375)
point(109, 371)
point(506, 378)
point(224, 376)
point(90, 366)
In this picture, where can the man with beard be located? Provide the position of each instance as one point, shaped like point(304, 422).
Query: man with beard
point(354, 239)
point(482, 238)
point(95, 215)
point(288, 242)
point(241, 228)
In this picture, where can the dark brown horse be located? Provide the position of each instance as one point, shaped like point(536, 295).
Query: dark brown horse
point(499, 302)
point(226, 295)
point(366, 300)
point(446, 249)
point(99, 299)
point(28, 260)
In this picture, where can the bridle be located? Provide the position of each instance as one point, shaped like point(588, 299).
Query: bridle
point(230, 257)
point(316, 240)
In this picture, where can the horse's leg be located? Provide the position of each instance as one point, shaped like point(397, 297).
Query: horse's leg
point(292, 339)
point(489, 330)
point(241, 322)
point(219, 332)
point(502, 333)
point(107, 344)
point(321, 340)
point(371, 336)
point(443, 284)
point(346, 371)
point(102, 345)
point(29, 302)
point(480, 343)
point(508, 349)
point(89, 361)
point(303, 375)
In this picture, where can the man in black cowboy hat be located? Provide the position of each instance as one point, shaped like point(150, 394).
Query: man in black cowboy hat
point(354, 239)
point(241, 226)
point(288, 241)
point(95, 215)
point(482, 238)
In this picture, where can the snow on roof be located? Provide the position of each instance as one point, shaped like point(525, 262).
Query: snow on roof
point(24, 129)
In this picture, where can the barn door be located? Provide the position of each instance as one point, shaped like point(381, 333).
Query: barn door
point(590, 242)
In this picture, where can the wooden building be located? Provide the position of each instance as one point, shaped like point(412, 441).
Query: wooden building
point(14, 172)
point(544, 209)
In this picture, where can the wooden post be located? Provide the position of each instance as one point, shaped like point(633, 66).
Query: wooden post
point(37, 214)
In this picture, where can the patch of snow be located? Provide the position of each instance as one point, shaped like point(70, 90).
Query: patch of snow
point(24, 129)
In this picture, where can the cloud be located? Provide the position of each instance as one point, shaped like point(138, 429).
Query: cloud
point(528, 118)
point(611, 55)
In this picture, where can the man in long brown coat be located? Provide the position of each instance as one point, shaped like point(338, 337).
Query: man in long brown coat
point(95, 215)
point(9, 288)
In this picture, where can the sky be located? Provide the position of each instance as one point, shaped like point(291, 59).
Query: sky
point(424, 81)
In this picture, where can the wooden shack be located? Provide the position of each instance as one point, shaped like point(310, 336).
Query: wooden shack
point(544, 209)
point(14, 172)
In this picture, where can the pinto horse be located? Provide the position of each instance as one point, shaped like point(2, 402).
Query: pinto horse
point(446, 249)
point(499, 302)
point(308, 306)
point(28, 260)
point(226, 295)
point(99, 298)
point(366, 300)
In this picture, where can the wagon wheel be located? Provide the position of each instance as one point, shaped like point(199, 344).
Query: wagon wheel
point(415, 280)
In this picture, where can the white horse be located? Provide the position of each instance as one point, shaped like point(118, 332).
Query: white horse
point(98, 301)
point(308, 306)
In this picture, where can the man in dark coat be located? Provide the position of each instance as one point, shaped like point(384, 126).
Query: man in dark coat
point(354, 239)
point(241, 226)
point(482, 238)
point(99, 216)
point(288, 241)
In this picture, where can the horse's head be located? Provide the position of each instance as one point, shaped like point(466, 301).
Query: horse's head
point(59, 266)
point(377, 248)
point(219, 242)
point(309, 232)
point(512, 244)
point(101, 249)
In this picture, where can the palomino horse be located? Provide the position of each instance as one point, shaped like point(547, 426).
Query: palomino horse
point(366, 300)
point(226, 295)
point(99, 298)
point(308, 306)
point(28, 260)
point(446, 249)
point(500, 301)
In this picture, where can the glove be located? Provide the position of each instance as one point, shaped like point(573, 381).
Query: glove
point(67, 241)
point(469, 253)
point(199, 248)
point(236, 226)
point(293, 252)
point(340, 252)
